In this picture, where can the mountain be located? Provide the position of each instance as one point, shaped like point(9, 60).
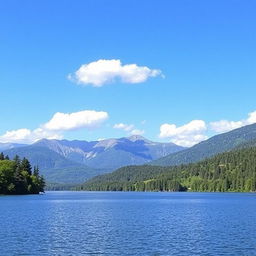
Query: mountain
point(63, 161)
point(233, 171)
point(110, 153)
point(241, 137)
point(54, 167)
point(5, 146)
point(43, 157)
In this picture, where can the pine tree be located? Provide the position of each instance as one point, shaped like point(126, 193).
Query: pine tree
point(36, 171)
point(25, 166)
point(1, 156)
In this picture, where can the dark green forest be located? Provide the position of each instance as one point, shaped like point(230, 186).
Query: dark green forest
point(18, 178)
point(233, 171)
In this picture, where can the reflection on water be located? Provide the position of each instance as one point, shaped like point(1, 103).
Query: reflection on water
point(105, 223)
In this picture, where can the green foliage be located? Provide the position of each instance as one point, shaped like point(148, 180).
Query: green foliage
point(16, 177)
point(230, 171)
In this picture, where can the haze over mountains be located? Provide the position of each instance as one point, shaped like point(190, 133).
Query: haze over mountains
point(75, 161)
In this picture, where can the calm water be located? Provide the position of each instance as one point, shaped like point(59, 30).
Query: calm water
point(101, 223)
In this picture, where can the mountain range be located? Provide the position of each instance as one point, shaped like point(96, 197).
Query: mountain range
point(70, 162)
point(64, 161)
point(110, 153)
point(226, 162)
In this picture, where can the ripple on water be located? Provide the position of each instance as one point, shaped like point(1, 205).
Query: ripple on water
point(88, 223)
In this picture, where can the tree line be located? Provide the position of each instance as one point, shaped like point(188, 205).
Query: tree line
point(18, 178)
point(233, 171)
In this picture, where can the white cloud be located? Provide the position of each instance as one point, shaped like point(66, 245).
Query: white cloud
point(225, 125)
point(59, 123)
point(77, 120)
point(15, 135)
point(101, 72)
point(27, 136)
point(125, 127)
point(41, 133)
point(130, 128)
point(186, 141)
point(251, 118)
point(186, 135)
point(195, 131)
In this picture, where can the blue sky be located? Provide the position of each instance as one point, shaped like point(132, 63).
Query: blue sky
point(205, 51)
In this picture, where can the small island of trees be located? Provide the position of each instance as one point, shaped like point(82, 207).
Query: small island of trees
point(18, 178)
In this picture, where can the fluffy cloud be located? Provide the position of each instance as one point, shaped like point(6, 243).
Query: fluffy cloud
point(101, 72)
point(129, 128)
point(225, 125)
point(77, 120)
point(251, 118)
point(190, 141)
point(125, 127)
point(194, 132)
point(59, 123)
point(15, 135)
point(28, 136)
point(186, 135)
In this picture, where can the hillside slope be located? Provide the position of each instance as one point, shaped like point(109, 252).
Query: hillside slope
point(230, 171)
point(217, 144)
point(53, 166)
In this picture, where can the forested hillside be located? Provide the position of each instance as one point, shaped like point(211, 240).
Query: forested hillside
point(231, 171)
point(241, 137)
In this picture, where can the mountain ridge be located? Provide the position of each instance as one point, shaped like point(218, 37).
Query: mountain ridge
point(100, 153)
point(63, 160)
point(217, 144)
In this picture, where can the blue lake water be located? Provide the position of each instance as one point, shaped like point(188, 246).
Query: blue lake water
point(113, 223)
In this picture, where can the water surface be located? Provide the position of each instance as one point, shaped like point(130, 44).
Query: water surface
point(119, 223)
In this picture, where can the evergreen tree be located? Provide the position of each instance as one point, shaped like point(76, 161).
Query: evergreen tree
point(36, 171)
point(25, 166)
point(16, 177)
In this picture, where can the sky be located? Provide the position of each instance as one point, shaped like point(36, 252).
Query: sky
point(173, 71)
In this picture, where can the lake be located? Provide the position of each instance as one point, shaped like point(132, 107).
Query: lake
point(128, 223)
